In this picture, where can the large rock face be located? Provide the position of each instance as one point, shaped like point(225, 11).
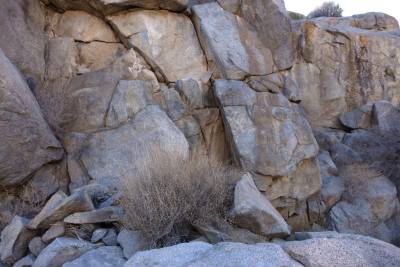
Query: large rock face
point(345, 63)
point(273, 25)
point(27, 142)
point(267, 133)
point(167, 40)
point(118, 153)
point(232, 46)
point(22, 39)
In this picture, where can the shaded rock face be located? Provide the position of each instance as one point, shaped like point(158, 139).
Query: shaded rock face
point(27, 142)
point(23, 40)
point(361, 55)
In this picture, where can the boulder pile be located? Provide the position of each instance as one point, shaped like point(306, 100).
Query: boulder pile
point(309, 110)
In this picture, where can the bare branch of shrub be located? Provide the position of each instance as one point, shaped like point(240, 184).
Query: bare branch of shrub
point(163, 200)
point(328, 9)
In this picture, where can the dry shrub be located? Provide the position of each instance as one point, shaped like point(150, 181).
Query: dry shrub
point(327, 9)
point(164, 199)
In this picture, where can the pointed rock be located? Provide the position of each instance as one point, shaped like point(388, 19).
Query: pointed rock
point(254, 212)
point(60, 206)
point(56, 230)
point(108, 214)
point(14, 240)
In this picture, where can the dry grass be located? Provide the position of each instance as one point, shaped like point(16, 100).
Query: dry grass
point(163, 200)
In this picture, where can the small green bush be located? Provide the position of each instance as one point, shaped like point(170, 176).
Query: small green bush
point(296, 16)
point(328, 9)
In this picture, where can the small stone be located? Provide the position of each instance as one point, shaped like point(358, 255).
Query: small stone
point(56, 230)
point(98, 235)
point(36, 245)
point(131, 242)
point(111, 238)
point(108, 214)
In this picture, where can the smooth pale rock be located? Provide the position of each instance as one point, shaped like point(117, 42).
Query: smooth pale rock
point(267, 133)
point(27, 142)
point(60, 206)
point(343, 251)
point(129, 98)
point(166, 40)
point(103, 256)
point(108, 214)
point(56, 230)
point(98, 234)
point(84, 27)
point(131, 242)
point(198, 254)
point(233, 49)
point(252, 211)
point(359, 57)
point(23, 40)
point(26, 261)
point(62, 250)
point(14, 240)
point(115, 154)
point(273, 26)
point(36, 245)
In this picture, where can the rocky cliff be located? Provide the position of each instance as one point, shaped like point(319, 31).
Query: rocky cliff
point(310, 109)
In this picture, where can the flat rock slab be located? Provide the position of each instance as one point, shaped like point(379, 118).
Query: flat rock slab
point(108, 214)
point(198, 254)
point(110, 256)
point(343, 251)
point(62, 250)
point(233, 48)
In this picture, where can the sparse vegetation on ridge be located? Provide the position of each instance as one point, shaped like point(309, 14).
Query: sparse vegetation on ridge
point(327, 9)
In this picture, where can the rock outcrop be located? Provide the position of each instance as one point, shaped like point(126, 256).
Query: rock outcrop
point(308, 109)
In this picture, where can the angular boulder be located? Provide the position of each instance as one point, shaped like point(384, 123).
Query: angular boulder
point(273, 25)
point(27, 142)
point(15, 240)
point(167, 41)
point(60, 206)
point(252, 211)
point(131, 242)
point(108, 214)
point(233, 48)
point(267, 133)
point(23, 40)
point(116, 153)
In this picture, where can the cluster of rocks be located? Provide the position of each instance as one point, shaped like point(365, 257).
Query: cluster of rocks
point(87, 87)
